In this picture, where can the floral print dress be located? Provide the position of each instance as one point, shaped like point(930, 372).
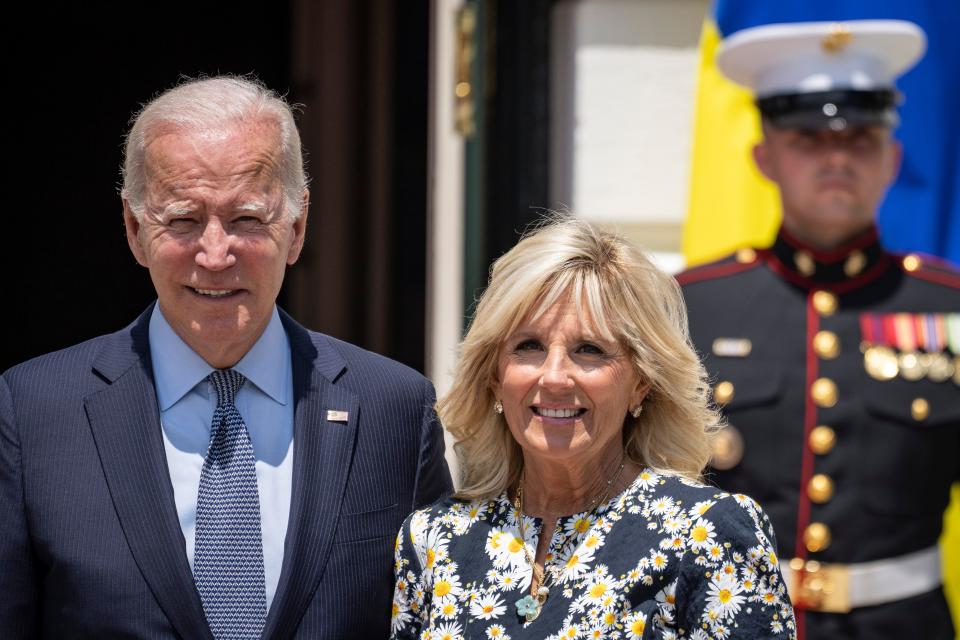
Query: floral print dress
point(667, 558)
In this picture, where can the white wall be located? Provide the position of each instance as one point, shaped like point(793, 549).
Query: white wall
point(624, 73)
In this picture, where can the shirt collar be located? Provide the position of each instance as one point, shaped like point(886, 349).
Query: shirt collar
point(177, 368)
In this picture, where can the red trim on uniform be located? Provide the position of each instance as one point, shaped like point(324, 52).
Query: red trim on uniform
point(843, 286)
point(832, 255)
point(938, 277)
point(809, 418)
point(944, 271)
point(711, 271)
point(806, 465)
point(928, 259)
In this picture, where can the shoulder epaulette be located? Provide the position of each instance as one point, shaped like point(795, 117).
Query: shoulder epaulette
point(741, 260)
point(930, 268)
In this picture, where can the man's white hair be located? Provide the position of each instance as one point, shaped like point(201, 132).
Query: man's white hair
point(211, 102)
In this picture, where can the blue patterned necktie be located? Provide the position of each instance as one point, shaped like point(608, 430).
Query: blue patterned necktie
point(228, 557)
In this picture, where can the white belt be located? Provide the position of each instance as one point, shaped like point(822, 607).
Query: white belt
point(838, 588)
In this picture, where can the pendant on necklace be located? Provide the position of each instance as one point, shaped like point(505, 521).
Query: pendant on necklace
point(528, 607)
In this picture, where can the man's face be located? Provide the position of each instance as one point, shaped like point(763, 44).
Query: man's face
point(214, 235)
point(831, 182)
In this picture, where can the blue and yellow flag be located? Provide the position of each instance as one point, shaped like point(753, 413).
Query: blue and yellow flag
point(732, 205)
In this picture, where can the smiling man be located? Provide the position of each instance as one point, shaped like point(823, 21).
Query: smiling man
point(835, 361)
point(214, 470)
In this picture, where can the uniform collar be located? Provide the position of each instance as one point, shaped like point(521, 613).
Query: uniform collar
point(859, 259)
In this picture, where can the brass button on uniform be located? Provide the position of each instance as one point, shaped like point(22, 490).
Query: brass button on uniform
point(727, 448)
point(826, 345)
point(854, 264)
point(820, 488)
point(822, 439)
point(816, 537)
point(804, 263)
point(919, 409)
point(824, 392)
point(912, 262)
point(746, 255)
point(723, 392)
point(825, 303)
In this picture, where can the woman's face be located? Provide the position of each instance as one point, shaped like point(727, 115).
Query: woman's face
point(565, 390)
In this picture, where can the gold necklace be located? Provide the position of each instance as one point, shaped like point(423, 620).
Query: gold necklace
point(530, 606)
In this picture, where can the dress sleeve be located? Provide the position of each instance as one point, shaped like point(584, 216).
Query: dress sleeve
point(410, 594)
point(730, 583)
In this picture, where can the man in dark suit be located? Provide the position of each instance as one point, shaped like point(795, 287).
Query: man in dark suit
point(214, 470)
point(836, 362)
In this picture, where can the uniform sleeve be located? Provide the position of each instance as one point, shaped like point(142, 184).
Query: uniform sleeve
point(730, 584)
point(433, 476)
point(410, 607)
point(19, 599)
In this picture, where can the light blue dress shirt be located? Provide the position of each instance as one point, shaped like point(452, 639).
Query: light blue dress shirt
point(187, 401)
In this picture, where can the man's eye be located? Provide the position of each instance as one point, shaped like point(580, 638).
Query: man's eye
point(181, 223)
point(863, 141)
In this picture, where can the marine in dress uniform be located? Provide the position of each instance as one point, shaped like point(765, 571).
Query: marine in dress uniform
point(836, 362)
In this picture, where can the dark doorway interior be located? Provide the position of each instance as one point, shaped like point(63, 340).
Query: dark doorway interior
point(78, 70)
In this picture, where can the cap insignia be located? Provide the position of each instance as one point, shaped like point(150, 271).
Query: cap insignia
point(837, 39)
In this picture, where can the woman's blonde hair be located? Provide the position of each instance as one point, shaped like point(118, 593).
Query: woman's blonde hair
point(631, 301)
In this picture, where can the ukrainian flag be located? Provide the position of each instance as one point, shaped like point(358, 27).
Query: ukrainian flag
point(731, 205)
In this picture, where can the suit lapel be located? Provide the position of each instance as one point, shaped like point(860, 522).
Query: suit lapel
point(323, 451)
point(125, 423)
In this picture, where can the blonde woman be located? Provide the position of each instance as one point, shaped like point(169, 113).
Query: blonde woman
point(582, 423)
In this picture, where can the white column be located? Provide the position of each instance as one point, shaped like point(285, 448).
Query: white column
point(445, 201)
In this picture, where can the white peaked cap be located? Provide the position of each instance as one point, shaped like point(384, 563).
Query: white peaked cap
point(809, 57)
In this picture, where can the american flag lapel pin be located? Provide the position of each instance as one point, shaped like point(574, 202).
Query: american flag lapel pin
point(337, 416)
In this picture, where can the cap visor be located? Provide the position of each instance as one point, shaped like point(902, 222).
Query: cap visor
point(843, 119)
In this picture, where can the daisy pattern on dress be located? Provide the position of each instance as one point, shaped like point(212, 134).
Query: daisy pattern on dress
point(487, 607)
point(449, 631)
point(702, 535)
point(460, 568)
point(648, 479)
point(574, 564)
point(635, 624)
point(723, 595)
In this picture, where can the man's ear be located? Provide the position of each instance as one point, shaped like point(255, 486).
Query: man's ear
point(299, 229)
point(761, 157)
point(896, 160)
point(132, 225)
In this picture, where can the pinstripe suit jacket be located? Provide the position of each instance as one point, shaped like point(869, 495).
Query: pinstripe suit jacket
point(90, 544)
